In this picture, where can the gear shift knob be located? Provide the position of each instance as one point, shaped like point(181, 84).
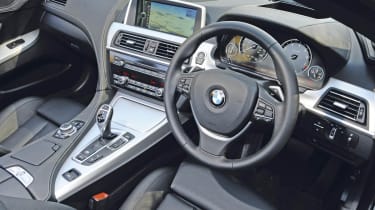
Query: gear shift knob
point(103, 120)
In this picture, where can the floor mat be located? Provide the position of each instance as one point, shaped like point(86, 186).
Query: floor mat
point(288, 180)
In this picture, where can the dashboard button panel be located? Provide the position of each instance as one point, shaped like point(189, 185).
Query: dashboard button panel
point(334, 138)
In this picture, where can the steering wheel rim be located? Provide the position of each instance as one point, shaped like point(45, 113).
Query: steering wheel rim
point(287, 111)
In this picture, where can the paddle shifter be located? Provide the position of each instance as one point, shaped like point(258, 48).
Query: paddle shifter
point(103, 120)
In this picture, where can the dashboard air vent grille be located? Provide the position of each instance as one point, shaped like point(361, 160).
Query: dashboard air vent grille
point(130, 41)
point(344, 105)
point(60, 2)
point(166, 50)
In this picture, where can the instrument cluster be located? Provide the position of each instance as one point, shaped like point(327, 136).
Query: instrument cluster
point(244, 53)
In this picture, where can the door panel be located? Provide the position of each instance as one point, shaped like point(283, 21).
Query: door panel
point(18, 17)
point(38, 64)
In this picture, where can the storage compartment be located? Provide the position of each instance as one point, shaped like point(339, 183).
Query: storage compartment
point(136, 116)
point(35, 154)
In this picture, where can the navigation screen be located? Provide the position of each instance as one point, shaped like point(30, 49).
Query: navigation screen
point(168, 18)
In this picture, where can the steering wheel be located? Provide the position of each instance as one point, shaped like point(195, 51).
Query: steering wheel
point(226, 103)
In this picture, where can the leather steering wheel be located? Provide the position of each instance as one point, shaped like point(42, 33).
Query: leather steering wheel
point(226, 103)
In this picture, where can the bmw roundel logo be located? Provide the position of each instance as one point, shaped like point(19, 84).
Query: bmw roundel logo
point(217, 97)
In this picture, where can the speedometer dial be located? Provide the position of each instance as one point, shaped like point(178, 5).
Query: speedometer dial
point(298, 53)
point(252, 50)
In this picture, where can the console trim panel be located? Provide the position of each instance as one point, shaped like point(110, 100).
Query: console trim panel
point(89, 174)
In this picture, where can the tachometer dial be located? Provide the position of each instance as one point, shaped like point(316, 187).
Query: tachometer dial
point(316, 73)
point(298, 53)
point(252, 50)
point(231, 50)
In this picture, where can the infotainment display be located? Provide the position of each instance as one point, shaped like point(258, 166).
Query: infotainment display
point(169, 18)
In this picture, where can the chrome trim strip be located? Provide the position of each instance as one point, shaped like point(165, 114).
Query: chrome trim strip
point(29, 38)
point(221, 137)
point(21, 174)
point(311, 98)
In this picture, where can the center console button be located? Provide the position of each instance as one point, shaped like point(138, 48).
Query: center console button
point(94, 158)
point(128, 136)
point(71, 175)
point(159, 92)
point(117, 143)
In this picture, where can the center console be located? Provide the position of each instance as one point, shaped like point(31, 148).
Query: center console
point(140, 49)
point(139, 52)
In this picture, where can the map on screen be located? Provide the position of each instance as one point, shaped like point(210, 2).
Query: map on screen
point(172, 19)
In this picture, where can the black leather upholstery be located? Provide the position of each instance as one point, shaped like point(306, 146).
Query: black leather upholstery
point(9, 203)
point(31, 118)
point(151, 191)
point(192, 187)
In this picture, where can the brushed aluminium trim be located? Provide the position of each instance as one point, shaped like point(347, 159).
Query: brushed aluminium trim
point(135, 147)
point(203, 9)
point(311, 98)
point(29, 38)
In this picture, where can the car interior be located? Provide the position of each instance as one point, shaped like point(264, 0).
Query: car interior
point(187, 104)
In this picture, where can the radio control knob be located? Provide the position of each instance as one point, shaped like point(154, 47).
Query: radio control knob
point(122, 80)
point(159, 92)
point(119, 62)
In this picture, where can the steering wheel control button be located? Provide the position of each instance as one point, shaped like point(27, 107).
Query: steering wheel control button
point(217, 97)
point(264, 112)
point(184, 85)
point(21, 174)
point(71, 175)
point(260, 111)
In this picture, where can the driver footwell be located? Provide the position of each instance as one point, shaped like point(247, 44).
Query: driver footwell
point(300, 178)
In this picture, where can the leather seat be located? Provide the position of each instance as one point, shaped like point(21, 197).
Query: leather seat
point(192, 187)
point(31, 118)
point(10, 203)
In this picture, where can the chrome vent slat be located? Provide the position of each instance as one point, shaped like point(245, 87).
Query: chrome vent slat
point(166, 50)
point(60, 2)
point(344, 105)
point(139, 43)
point(130, 41)
point(330, 103)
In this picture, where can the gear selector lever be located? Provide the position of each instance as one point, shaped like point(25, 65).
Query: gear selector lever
point(103, 120)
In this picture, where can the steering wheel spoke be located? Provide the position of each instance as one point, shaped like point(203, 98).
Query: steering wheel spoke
point(212, 143)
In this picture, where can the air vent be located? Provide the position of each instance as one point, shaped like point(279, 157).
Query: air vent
point(344, 105)
point(60, 2)
point(130, 41)
point(166, 50)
